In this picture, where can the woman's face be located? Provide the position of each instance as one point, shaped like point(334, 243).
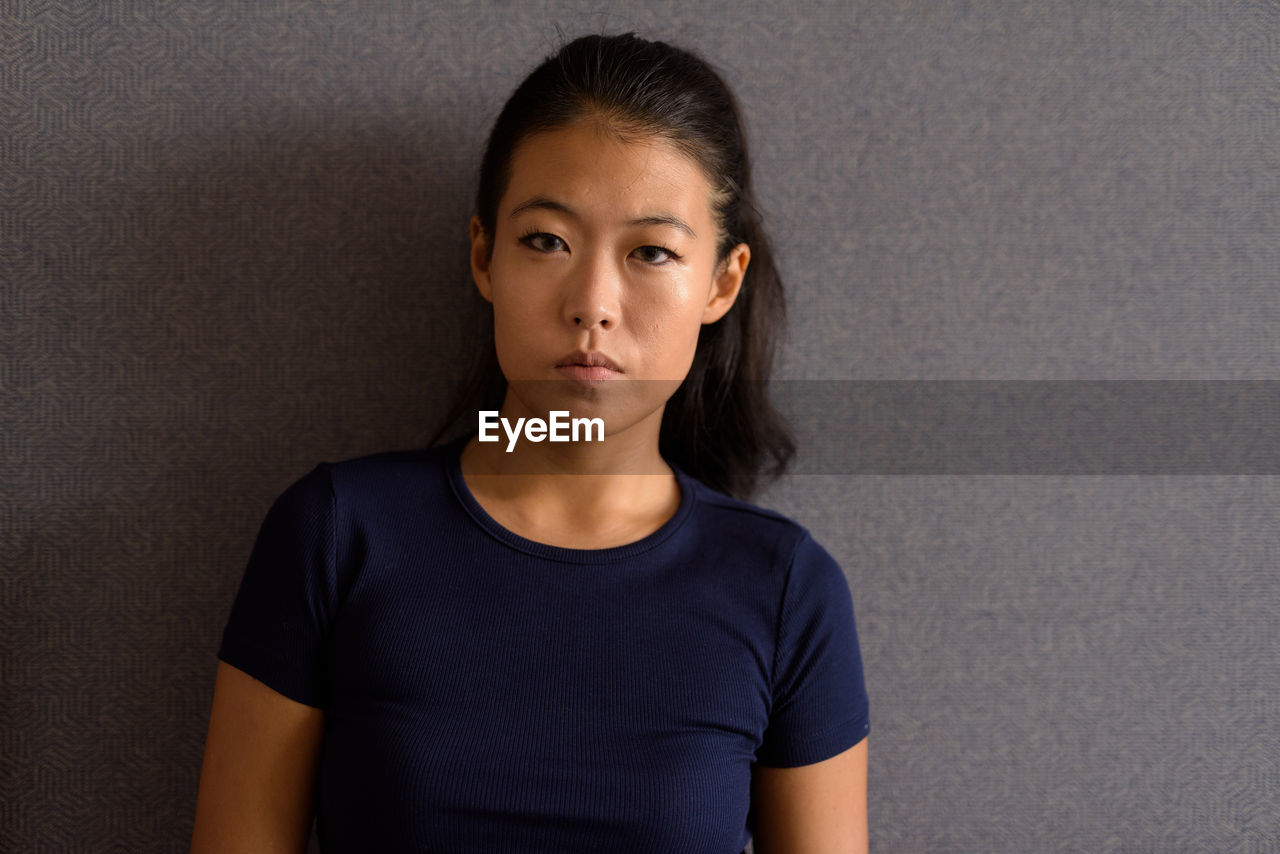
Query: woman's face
point(604, 249)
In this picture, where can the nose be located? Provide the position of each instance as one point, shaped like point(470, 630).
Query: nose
point(592, 296)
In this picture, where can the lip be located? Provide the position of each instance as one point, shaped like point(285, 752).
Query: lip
point(587, 373)
point(592, 365)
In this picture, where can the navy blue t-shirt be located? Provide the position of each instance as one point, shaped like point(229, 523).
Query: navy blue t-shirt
point(486, 692)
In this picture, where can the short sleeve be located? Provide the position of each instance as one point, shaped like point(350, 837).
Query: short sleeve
point(820, 705)
point(280, 616)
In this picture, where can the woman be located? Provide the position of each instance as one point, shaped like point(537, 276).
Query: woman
point(529, 644)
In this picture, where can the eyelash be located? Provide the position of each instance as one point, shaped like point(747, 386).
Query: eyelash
point(527, 240)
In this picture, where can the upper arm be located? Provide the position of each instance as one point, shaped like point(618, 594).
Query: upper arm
point(257, 780)
point(812, 809)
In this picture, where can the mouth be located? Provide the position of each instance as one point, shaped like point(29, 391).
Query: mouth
point(582, 365)
point(589, 373)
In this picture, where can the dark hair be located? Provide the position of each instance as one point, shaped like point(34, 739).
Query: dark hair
point(720, 426)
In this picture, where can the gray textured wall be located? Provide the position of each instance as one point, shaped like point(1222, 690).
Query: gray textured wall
point(232, 244)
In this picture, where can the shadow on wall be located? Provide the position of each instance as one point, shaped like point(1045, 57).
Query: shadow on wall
point(197, 326)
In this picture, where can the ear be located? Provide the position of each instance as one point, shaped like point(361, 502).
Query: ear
point(727, 283)
point(480, 259)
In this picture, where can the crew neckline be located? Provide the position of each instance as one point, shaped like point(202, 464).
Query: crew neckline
point(453, 467)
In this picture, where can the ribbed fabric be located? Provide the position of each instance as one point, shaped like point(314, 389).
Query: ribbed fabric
point(485, 692)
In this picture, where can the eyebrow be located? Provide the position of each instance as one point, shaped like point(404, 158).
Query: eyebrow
point(662, 218)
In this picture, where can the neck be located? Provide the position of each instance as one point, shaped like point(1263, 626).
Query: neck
point(610, 491)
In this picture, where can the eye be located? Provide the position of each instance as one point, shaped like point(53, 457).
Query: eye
point(656, 255)
point(541, 241)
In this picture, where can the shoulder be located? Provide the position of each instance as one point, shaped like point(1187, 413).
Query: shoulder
point(752, 527)
point(775, 545)
point(378, 474)
point(360, 486)
point(737, 512)
point(384, 470)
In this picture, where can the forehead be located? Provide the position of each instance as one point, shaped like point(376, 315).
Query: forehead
point(606, 178)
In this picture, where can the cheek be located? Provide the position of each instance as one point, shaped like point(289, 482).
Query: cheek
point(669, 327)
point(516, 297)
point(512, 331)
point(513, 335)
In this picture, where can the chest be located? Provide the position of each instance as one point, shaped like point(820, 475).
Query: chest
point(551, 704)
